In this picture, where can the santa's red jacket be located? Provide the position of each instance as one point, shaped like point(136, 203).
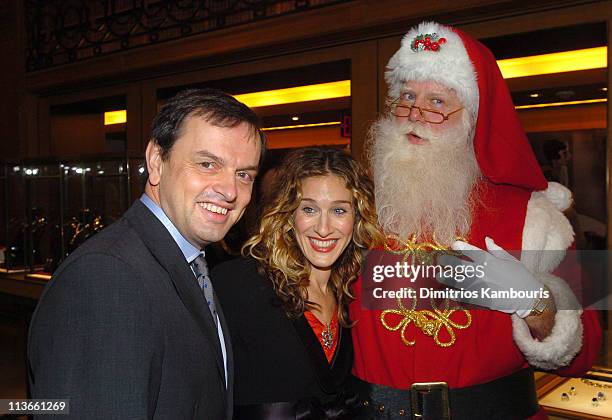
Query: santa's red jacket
point(495, 344)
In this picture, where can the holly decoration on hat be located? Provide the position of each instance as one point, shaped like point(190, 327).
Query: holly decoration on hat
point(427, 42)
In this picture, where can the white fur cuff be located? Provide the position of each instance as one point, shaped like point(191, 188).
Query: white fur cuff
point(565, 340)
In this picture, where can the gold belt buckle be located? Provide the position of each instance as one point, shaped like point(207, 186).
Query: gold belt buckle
point(419, 389)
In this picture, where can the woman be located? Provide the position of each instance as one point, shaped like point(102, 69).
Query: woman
point(286, 302)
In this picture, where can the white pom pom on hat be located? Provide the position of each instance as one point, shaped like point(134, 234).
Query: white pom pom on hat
point(559, 195)
point(449, 65)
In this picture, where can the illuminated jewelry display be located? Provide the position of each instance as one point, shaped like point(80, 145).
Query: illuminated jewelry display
point(580, 397)
point(595, 384)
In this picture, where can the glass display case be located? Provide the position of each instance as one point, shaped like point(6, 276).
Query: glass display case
point(30, 202)
point(52, 207)
point(42, 198)
point(137, 170)
point(589, 397)
point(4, 217)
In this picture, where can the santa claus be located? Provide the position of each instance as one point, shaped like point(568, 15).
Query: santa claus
point(450, 160)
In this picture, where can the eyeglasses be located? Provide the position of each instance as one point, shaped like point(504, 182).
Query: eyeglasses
point(434, 117)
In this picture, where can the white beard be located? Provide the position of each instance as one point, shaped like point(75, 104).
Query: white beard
point(423, 190)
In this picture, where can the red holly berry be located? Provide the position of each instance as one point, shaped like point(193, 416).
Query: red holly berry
point(427, 39)
point(441, 40)
point(427, 43)
point(435, 46)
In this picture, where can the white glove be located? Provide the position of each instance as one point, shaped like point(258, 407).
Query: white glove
point(503, 274)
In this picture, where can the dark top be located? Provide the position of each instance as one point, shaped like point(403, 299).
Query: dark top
point(276, 359)
point(123, 331)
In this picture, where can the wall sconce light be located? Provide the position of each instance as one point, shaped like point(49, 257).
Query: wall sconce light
point(115, 117)
point(560, 62)
point(316, 92)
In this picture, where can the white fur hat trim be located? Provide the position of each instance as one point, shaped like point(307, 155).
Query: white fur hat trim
point(449, 66)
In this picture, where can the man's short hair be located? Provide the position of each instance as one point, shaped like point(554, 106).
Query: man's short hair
point(214, 106)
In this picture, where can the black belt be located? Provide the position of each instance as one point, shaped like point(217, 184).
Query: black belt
point(511, 397)
point(342, 407)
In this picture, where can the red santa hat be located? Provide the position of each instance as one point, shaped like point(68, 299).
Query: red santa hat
point(439, 53)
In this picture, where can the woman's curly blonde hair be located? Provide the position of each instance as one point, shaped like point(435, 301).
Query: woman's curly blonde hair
point(274, 245)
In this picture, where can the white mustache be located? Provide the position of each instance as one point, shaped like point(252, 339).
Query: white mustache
point(405, 128)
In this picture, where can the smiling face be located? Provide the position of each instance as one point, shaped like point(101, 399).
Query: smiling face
point(432, 96)
point(424, 172)
point(324, 220)
point(205, 183)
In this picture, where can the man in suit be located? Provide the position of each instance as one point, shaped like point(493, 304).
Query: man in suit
point(127, 328)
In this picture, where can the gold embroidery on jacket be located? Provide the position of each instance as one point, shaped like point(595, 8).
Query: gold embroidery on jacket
point(430, 322)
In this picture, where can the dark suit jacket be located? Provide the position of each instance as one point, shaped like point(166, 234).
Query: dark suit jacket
point(123, 331)
point(276, 358)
